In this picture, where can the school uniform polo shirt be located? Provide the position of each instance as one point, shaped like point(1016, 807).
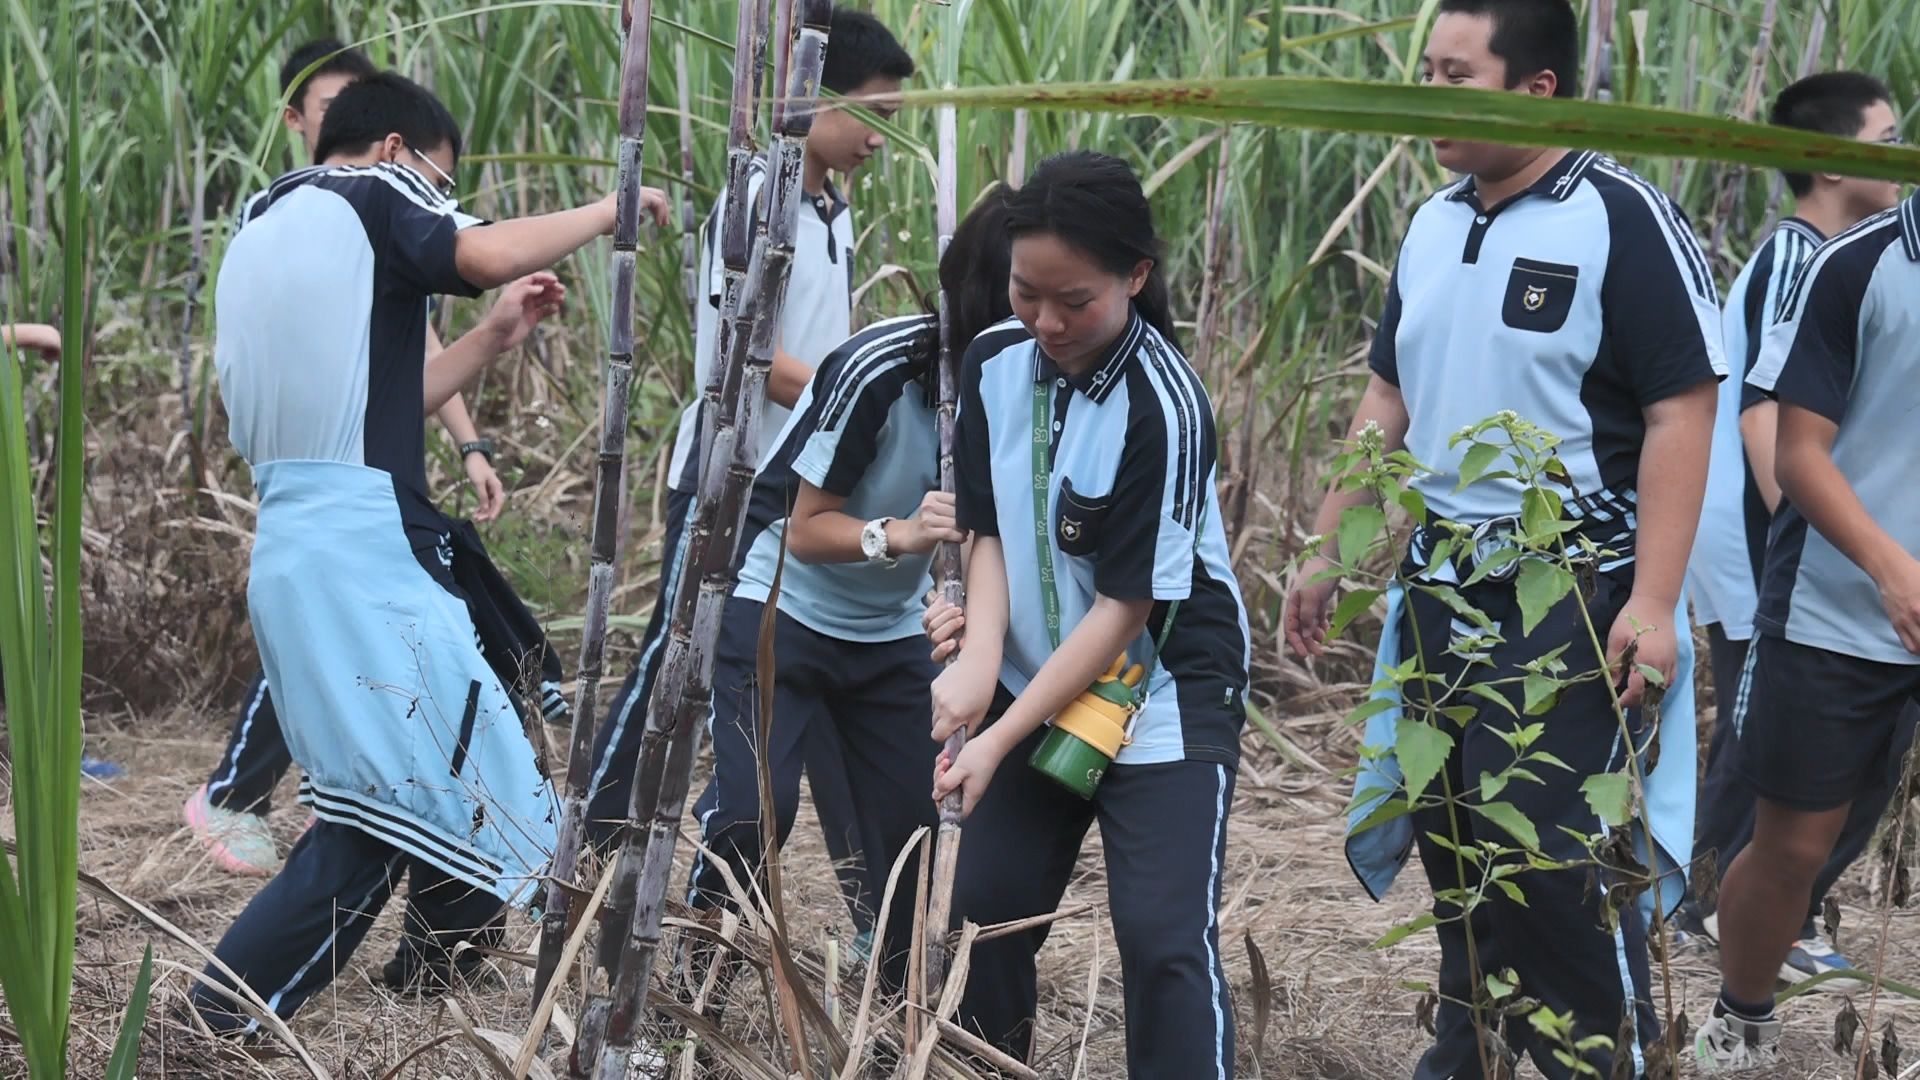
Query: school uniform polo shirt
point(1576, 304)
point(1130, 451)
point(1848, 348)
point(299, 382)
point(817, 317)
point(1723, 574)
point(864, 430)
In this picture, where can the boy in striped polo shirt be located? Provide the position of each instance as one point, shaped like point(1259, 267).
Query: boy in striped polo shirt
point(1724, 572)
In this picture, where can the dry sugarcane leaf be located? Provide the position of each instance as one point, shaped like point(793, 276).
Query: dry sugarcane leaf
point(1623, 1046)
point(1901, 885)
point(1706, 881)
point(1660, 1064)
point(1423, 1012)
point(1890, 1049)
point(1845, 1026)
point(1262, 994)
point(1830, 919)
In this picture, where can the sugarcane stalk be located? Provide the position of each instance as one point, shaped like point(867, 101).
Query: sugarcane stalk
point(689, 223)
point(946, 844)
point(736, 240)
point(684, 692)
point(609, 482)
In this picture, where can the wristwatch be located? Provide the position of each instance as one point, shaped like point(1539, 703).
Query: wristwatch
point(873, 543)
point(483, 447)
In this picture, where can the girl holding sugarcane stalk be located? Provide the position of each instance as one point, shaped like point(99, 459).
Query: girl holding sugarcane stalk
point(859, 466)
point(1084, 458)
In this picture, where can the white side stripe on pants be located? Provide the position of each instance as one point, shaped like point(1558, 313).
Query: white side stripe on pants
point(1213, 925)
point(273, 1003)
point(240, 744)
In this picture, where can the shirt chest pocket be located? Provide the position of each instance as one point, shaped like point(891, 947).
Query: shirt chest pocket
point(1079, 520)
point(1539, 295)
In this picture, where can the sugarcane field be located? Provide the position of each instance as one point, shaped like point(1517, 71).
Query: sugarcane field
point(765, 539)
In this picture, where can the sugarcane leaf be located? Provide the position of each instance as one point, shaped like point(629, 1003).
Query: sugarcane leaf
point(126, 1049)
point(1451, 112)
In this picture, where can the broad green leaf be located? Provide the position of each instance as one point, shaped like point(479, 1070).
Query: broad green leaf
point(1391, 810)
point(1513, 891)
point(1351, 607)
point(1491, 564)
point(1509, 817)
point(1452, 113)
point(1472, 466)
point(1500, 986)
point(1422, 750)
point(1539, 693)
point(1491, 786)
point(1539, 586)
point(1423, 921)
point(1451, 597)
point(1651, 674)
point(1360, 526)
point(1414, 503)
point(1371, 708)
point(1609, 795)
point(1493, 694)
point(1539, 511)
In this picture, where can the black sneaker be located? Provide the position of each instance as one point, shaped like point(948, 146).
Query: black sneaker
point(430, 970)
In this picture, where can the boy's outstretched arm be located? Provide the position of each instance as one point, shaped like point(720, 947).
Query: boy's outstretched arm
point(489, 256)
point(521, 306)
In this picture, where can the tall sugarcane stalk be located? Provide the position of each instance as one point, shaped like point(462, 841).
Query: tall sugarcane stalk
point(736, 245)
point(609, 482)
point(689, 220)
point(685, 690)
point(946, 844)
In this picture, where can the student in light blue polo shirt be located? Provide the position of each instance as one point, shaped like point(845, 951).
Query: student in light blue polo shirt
point(844, 517)
point(1724, 573)
point(1835, 662)
point(1561, 286)
point(1084, 459)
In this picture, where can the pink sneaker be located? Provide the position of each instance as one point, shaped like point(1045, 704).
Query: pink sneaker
point(239, 843)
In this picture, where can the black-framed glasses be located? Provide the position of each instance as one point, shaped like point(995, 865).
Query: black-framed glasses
point(446, 182)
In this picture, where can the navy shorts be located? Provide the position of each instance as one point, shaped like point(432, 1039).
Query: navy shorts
point(1815, 726)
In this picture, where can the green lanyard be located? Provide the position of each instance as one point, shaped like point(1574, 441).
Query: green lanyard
point(1043, 539)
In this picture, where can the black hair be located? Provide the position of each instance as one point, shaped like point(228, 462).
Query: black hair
point(974, 271)
point(1094, 203)
point(860, 47)
point(1532, 36)
point(334, 59)
point(382, 104)
point(1832, 103)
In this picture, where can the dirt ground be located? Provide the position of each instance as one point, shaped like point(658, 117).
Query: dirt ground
point(1334, 1009)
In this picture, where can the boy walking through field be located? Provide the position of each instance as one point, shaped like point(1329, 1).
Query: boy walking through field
point(415, 760)
point(1724, 573)
point(1835, 662)
point(1563, 287)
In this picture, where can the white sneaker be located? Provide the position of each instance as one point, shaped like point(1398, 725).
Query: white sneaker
point(1729, 1044)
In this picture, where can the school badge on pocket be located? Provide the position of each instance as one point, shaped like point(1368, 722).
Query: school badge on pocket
point(1535, 299)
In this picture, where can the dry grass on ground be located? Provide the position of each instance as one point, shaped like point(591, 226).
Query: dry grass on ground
point(1335, 1009)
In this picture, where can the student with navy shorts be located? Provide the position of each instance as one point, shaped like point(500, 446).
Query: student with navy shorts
point(415, 760)
point(1561, 286)
point(1084, 460)
point(1724, 573)
point(841, 529)
point(1835, 663)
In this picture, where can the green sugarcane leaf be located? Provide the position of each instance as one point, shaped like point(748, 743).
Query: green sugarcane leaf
point(1422, 750)
point(1610, 796)
point(1539, 586)
point(1510, 818)
point(1449, 112)
point(125, 1063)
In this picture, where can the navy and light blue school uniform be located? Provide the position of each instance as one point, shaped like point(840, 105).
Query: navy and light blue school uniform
point(509, 636)
point(1577, 304)
point(1827, 683)
point(850, 656)
point(1132, 514)
point(816, 319)
point(414, 755)
point(1723, 576)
